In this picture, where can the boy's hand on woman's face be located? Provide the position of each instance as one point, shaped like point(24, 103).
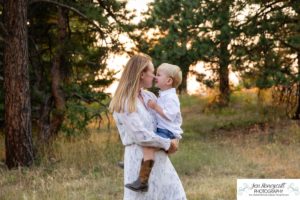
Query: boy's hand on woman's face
point(151, 104)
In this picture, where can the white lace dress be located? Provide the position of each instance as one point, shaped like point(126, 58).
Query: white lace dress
point(137, 129)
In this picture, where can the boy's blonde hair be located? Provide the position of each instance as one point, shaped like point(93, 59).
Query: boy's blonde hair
point(173, 71)
point(128, 88)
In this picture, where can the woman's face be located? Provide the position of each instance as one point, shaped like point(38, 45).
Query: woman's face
point(147, 77)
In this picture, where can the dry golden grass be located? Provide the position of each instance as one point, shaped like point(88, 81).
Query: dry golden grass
point(242, 141)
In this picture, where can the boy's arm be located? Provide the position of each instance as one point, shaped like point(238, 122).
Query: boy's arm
point(157, 108)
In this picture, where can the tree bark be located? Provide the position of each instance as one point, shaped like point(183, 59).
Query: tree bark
point(224, 59)
point(52, 110)
point(297, 113)
point(58, 114)
point(184, 63)
point(44, 120)
point(18, 136)
point(183, 86)
point(224, 75)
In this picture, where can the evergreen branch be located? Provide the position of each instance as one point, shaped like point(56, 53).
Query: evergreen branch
point(263, 13)
point(110, 13)
point(205, 59)
point(289, 45)
point(89, 101)
point(97, 114)
point(72, 9)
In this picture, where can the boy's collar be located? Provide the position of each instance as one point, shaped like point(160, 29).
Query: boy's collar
point(168, 91)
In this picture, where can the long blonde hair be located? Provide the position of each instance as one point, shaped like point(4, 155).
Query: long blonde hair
point(128, 88)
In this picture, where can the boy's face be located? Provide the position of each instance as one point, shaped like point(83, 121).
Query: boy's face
point(162, 80)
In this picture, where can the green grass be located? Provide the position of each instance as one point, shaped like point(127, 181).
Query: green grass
point(245, 140)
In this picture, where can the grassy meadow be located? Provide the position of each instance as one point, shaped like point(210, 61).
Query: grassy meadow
point(249, 139)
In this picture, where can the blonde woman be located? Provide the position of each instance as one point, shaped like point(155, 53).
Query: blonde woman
point(137, 125)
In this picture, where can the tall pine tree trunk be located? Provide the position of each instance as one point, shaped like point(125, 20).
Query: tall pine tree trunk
point(224, 75)
point(183, 86)
point(297, 113)
point(184, 63)
point(18, 138)
point(224, 57)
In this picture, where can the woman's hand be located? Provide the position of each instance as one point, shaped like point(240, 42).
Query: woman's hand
point(173, 147)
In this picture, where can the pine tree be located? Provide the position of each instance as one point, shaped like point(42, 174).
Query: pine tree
point(69, 44)
point(18, 137)
point(191, 31)
point(275, 27)
point(64, 54)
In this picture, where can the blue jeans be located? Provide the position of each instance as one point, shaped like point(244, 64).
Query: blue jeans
point(165, 133)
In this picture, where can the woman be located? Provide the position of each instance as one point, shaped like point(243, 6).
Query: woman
point(136, 124)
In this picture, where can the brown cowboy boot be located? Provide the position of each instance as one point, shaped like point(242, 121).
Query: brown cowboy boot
point(141, 184)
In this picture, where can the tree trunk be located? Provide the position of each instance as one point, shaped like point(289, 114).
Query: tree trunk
point(224, 75)
point(44, 120)
point(18, 138)
point(52, 110)
point(56, 74)
point(183, 86)
point(224, 57)
point(297, 113)
point(184, 63)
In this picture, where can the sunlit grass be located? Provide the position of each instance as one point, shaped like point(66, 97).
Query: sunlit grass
point(245, 140)
point(78, 169)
